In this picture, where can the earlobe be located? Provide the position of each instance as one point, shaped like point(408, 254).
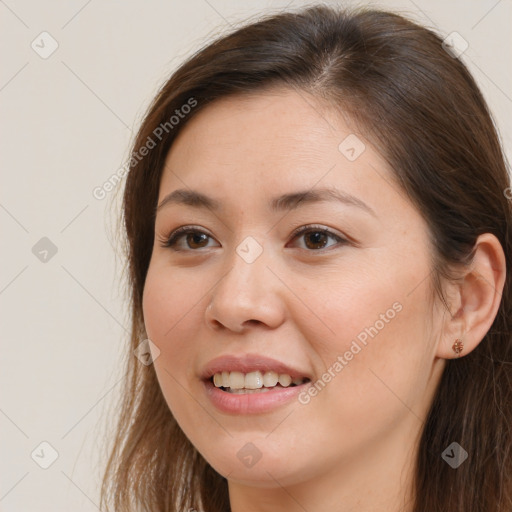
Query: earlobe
point(479, 295)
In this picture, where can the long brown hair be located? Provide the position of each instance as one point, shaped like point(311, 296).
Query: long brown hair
point(423, 111)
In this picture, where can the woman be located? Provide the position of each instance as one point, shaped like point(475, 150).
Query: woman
point(319, 243)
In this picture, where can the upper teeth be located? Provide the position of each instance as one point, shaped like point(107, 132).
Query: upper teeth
point(253, 380)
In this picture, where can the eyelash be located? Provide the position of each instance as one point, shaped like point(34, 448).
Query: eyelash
point(172, 238)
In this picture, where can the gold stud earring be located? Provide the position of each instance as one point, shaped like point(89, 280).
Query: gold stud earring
point(458, 347)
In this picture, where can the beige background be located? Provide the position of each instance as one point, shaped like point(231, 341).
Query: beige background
point(67, 123)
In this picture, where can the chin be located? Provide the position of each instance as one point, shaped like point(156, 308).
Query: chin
point(266, 472)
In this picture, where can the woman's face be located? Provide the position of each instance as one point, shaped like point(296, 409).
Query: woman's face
point(342, 307)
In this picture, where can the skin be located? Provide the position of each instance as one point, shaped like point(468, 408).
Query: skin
point(352, 447)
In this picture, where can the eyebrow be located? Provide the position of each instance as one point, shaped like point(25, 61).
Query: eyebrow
point(289, 201)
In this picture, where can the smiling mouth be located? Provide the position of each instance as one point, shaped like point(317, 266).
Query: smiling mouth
point(254, 382)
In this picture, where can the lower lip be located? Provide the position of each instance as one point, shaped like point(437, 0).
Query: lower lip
point(251, 403)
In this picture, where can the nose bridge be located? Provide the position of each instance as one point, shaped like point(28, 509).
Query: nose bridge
point(245, 292)
point(247, 266)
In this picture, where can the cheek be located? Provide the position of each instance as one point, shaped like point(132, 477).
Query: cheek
point(171, 307)
point(169, 297)
point(378, 354)
point(376, 321)
point(172, 310)
point(352, 305)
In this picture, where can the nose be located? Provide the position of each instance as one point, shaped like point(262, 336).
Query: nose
point(248, 293)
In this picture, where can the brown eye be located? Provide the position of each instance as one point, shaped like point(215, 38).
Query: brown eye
point(194, 239)
point(316, 238)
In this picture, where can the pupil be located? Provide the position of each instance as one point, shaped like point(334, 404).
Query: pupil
point(317, 238)
point(192, 238)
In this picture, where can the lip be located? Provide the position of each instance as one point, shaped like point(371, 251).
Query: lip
point(251, 403)
point(246, 363)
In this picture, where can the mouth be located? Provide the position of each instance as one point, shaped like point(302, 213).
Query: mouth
point(252, 383)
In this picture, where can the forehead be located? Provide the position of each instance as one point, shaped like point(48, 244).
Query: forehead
point(280, 135)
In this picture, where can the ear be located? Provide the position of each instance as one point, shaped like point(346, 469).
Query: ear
point(474, 300)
